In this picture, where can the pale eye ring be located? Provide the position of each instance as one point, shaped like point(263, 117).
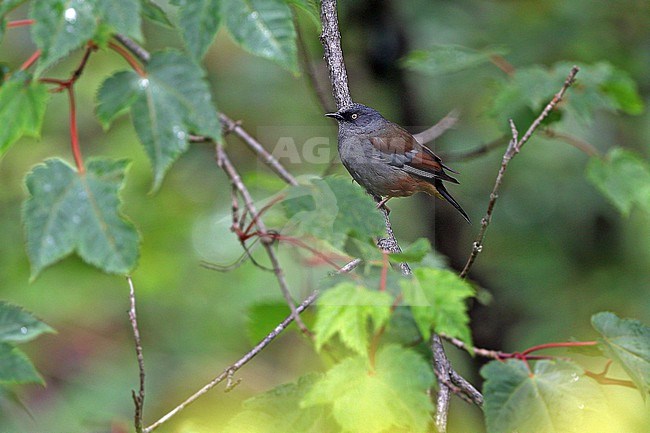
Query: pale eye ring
point(354, 116)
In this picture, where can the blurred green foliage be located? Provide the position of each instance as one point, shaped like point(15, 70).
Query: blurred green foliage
point(556, 252)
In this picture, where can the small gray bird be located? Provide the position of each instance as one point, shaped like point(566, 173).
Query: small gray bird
point(386, 159)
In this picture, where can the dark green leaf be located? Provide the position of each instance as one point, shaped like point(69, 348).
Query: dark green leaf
point(445, 59)
point(154, 13)
point(351, 312)
point(555, 398)
point(389, 396)
point(333, 209)
point(628, 342)
point(61, 26)
point(264, 28)
point(18, 325)
point(173, 101)
point(15, 367)
point(68, 211)
point(116, 95)
point(22, 108)
point(623, 177)
point(414, 253)
point(437, 298)
point(198, 22)
point(123, 16)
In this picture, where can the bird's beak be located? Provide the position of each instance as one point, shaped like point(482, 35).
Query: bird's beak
point(336, 116)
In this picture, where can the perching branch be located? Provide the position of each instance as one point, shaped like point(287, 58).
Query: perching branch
point(331, 40)
point(228, 372)
point(514, 147)
point(138, 398)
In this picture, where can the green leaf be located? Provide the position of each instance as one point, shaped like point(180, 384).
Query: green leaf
point(154, 13)
point(446, 59)
point(437, 298)
point(116, 95)
point(623, 177)
point(264, 28)
point(311, 7)
point(628, 342)
point(555, 398)
point(15, 367)
point(198, 22)
point(351, 312)
point(123, 16)
point(22, 109)
point(68, 211)
point(18, 325)
point(414, 253)
point(367, 399)
point(173, 101)
point(279, 411)
point(333, 209)
point(61, 26)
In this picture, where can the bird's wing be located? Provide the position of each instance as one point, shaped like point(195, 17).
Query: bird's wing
point(403, 151)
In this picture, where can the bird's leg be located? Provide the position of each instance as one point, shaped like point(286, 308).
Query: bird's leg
point(383, 203)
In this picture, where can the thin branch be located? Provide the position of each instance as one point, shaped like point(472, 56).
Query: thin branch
point(264, 155)
point(331, 40)
point(138, 398)
point(229, 371)
point(514, 147)
point(267, 241)
point(134, 47)
point(31, 60)
point(579, 144)
point(19, 23)
point(443, 125)
point(476, 152)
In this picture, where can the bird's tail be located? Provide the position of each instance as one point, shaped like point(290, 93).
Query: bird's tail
point(445, 194)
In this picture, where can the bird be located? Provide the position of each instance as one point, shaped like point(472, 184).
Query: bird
point(387, 160)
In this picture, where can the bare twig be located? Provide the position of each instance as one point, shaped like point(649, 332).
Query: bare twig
point(476, 152)
point(438, 129)
point(579, 144)
point(228, 372)
point(230, 170)
point(264, 155)
point(138, 398)
point(134, 47)
point(514, 147)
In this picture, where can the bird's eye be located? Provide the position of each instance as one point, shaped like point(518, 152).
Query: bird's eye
point(354, 116)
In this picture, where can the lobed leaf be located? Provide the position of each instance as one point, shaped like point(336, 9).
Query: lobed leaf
point(198, 22)
point(437, 299)
point(264, 28)
point(18, 325)
point(391, 395)
point(154, 13)
point(15, 367)
point(623, 177)
point(67, 211)
point(554, 398)
point(122, 16)
point(628, 342)
point(351, 312)
point(61, 26)
point(22, 109)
